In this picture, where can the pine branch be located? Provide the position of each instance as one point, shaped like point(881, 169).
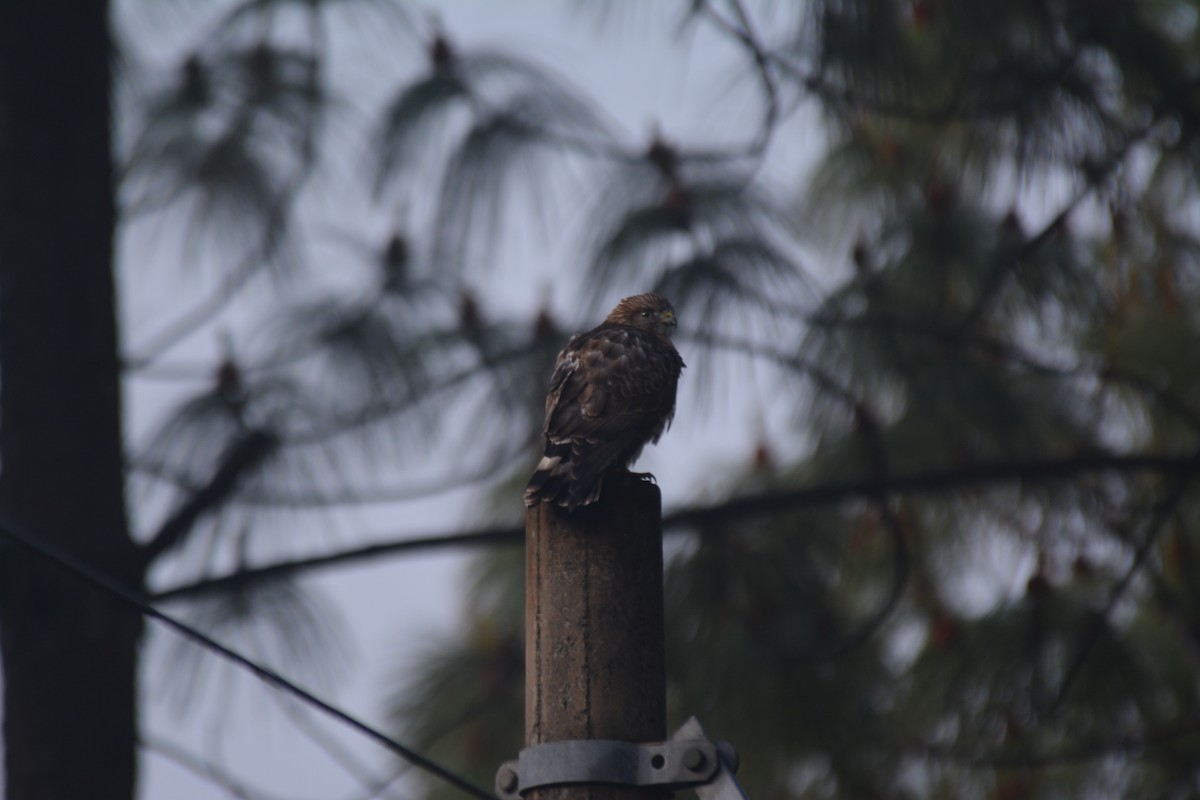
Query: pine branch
point(429, 487)
point(1091, 637)
point(975, 340)
point(196, 317)
point(693, 520)
point(744, 32)
point(246, 454)
point(488, 536)
point(380, 408)
point(877, 457)
point(250, 265)
point(1011, 260)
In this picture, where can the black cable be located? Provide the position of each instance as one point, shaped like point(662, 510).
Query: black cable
point(73, 566)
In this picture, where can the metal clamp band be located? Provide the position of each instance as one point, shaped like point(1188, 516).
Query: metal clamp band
point(687, 759)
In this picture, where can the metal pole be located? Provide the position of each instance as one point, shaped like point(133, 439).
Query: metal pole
point(594, 627)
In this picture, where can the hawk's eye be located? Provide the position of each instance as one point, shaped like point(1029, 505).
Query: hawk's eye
point(645, 313)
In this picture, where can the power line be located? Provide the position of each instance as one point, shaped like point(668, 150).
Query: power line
point(88, 574)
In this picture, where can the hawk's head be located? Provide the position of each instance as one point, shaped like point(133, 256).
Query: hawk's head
point(651, 312)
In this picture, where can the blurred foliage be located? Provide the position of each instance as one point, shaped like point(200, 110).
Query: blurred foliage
point(989, 370)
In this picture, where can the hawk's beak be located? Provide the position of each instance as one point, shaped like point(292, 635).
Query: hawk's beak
point(668, 318)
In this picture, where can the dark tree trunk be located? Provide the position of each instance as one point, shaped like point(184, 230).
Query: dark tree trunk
point(69, 654)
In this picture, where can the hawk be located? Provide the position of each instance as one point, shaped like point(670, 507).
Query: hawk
point(612, 391)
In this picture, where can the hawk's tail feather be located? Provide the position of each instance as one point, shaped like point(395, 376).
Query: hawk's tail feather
point(556, 480)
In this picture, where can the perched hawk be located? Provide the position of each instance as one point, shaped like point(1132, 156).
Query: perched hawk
point(613, 390)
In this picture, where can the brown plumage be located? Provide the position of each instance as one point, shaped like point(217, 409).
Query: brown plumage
point(612, 391)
